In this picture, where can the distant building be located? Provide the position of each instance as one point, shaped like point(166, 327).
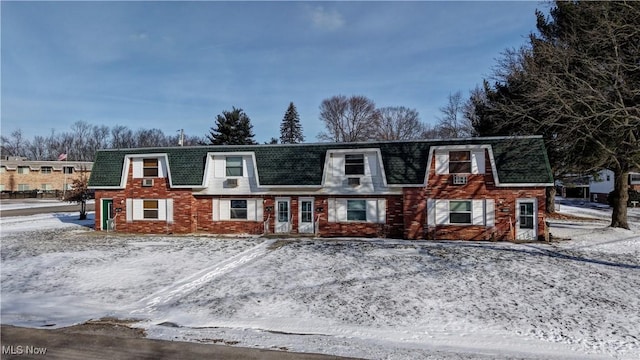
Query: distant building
point(19, 175)
point(601, 185)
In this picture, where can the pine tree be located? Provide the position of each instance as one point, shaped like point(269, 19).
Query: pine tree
point(290, 128)
point(233, 128)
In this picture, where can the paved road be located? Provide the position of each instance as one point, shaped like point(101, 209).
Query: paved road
point(17, 341)
point(64, 207)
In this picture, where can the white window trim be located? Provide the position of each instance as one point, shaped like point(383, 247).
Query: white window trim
point(482, 212)
point(376, 210)
point(221, 209)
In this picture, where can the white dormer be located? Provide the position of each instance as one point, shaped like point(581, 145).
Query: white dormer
point(230, 172)
point(149, 166)
point(353, 171)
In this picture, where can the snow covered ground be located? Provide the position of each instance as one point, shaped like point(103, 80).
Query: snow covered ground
point(377, 299)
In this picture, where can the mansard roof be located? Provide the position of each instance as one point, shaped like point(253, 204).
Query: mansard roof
point(519, 160)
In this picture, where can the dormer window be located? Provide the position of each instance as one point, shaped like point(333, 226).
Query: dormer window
point(234, 166)
point(354, 164)
point(150, 168)
point(459, 162)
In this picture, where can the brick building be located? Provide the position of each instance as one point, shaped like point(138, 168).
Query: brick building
point(473, 189)
point(17, 174)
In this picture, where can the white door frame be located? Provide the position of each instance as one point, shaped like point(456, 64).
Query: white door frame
point(283, 220)
point(305, 227)
point(526, 233)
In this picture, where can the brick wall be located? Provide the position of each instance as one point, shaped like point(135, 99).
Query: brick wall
point(479, 186)
point(10, 179)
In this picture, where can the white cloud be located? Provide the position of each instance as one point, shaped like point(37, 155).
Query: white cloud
point(326, 19)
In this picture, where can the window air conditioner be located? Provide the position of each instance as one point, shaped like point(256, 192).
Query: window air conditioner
point(353, 181)
point(232, 182)
point(459, 179)
point(147, 182)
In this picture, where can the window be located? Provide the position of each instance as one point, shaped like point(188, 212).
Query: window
point(526, 215)
point(460, 212)
point(234, 166)
point(23, 169)
point(67, 169)
point(150, 167)
point(23, 187)
point(306, 212)
point(3, 169)
point(634, 178)
point(238, 209)
point(150, 209)
point(46, 170)
point(357, 210)
point(47, 187)
point(354, 164)
point(459, 162)
point(1, 187)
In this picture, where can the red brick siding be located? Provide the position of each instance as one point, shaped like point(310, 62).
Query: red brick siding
point(479, 186)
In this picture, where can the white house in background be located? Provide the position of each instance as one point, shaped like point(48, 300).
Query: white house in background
point(602, 185)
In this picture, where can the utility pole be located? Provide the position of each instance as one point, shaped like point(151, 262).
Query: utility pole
point(181, 140)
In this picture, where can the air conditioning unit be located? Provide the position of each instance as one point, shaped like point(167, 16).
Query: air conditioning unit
point(353, 181)
point(232, 182)
point(459, 179)
point(147, 182)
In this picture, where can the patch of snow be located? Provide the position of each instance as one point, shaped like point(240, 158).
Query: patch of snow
point(373, 298)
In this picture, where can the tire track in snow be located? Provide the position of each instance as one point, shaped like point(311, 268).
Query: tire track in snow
point(191, 283)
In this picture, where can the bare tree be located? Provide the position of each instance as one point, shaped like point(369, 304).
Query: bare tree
point(577, 83)
point(14, 145)
point(453, 123)
point(122, 137)
point(399, 123)
point(349, 119)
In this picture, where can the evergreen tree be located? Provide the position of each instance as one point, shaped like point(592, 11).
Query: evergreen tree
point(290, 128)
point(233, 128)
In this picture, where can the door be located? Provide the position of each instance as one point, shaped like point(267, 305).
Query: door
point(107, 214)
point(283, 216)
point(526, 219)
point(305, 216)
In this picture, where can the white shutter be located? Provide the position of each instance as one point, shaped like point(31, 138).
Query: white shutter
point(442, 163)
point(137, 169)
point(338, 165)
point(331, 211)
point(431, 212)
point(477, 162)
point(490, 213)
point(162, 167)
point(251, 209)
point(138, 210)
point(170, 211)
point(216, 209)
point(371, 160)
point(372, 210)
point(219, 167)
point(477, 212)
point(162, 210)
point(225, 209)
point(129, 210)
point(382, 211)
point(442, 212)
point(341, 210)
point(259, 210)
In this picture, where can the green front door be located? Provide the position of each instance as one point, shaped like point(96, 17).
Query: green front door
point(107, 214)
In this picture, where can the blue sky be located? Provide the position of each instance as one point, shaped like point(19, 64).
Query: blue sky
point(176, 65)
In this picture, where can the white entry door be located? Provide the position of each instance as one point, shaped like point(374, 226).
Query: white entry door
point(305, 216)
point(526, 219)
point(283, 215)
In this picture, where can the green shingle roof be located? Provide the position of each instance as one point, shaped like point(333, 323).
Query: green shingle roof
point(518, 160)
